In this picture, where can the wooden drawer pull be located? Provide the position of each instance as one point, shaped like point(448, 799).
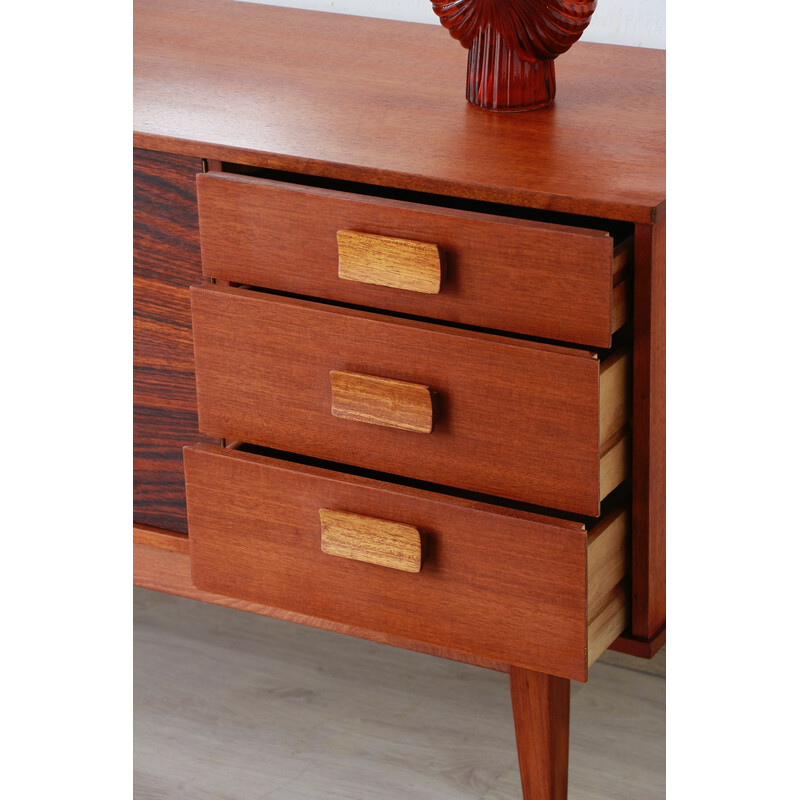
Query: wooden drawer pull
point(376, 541)
point(382, 401)
point(385, 261)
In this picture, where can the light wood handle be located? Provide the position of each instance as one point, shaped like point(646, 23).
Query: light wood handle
point(375, 541)
point(385, 261)
point(382, 401)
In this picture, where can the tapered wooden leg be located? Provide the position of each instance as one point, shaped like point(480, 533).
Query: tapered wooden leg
point(541, 718)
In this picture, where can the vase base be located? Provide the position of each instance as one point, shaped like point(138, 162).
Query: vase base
point(499, 80)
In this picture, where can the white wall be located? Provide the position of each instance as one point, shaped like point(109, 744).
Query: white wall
point(640, 23)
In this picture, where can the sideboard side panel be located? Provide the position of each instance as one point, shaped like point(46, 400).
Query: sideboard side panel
point(649, 432)
point(166, 261)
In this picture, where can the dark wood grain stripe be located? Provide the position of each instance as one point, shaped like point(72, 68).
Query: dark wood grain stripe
point(166, 261)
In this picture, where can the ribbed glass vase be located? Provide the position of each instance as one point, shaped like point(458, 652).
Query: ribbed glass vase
point(513, 45)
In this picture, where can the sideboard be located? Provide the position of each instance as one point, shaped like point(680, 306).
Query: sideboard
point(399, 363)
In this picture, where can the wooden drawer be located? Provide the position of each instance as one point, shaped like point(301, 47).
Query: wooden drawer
point(514, 418)
point(497, 583)
point(552, 281)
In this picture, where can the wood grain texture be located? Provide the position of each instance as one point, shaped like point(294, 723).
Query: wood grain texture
point(382, 401)
point(609, 621)
point(541, 719)
point(608, 558)
point(623, 259)
point(516, 418)
point(166, 260)
point(649, 432)
point(374, 541)
point(615, 396)
point(164, 566)
point(608, 570)
point(504, 585)
point(615, 461)
point(158, 537)
point(388, 261)
point(621, 293)
point(162, 572)
point(383, 102)
point(536, 278)
point(620, 304)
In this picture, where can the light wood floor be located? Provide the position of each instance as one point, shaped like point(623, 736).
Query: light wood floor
point(233, 706)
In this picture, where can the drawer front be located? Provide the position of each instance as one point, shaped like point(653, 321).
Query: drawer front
point(507, 417)
point(550, 281)
point(496, 583)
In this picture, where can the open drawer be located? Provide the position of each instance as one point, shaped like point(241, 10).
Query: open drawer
point(504, 416)
point(496, 582)
point(556, 281)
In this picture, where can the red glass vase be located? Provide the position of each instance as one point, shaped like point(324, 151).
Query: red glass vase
point(513, 45)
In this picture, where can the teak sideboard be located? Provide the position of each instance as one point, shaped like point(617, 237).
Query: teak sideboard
point(399, 363)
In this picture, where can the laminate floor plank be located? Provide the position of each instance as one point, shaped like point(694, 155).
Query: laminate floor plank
point(234, 706)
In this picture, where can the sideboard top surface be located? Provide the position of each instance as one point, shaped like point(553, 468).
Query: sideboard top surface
point(382, 102)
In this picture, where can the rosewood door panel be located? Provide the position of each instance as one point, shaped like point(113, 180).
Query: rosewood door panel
point(166, 260)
